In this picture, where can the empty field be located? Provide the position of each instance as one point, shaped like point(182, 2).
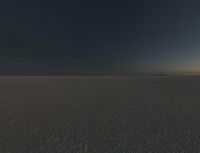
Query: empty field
point(100, 114)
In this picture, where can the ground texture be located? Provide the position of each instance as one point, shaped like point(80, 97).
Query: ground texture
point(99, 115)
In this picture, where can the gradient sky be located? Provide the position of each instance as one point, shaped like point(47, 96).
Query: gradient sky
point(105, 36)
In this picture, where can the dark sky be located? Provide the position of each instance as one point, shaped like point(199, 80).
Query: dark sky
point(105, 36)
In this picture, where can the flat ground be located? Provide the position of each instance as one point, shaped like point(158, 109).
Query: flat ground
point(99, 114)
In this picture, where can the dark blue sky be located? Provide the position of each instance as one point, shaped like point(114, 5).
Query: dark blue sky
point(107, 36)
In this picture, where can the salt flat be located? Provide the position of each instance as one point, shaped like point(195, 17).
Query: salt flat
point(100, 114)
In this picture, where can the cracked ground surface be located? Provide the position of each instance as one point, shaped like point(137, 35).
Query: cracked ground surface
point(99, 114)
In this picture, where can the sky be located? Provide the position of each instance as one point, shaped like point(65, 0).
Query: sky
point(99, 37)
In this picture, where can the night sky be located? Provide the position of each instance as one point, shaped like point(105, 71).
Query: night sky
point(99, 37)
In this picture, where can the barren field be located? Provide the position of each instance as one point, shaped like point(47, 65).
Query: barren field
point(100, 114)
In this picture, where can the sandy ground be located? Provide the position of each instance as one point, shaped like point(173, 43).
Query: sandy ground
point(99, 115)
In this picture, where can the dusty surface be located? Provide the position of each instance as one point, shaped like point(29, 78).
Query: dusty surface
point(100, 115)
